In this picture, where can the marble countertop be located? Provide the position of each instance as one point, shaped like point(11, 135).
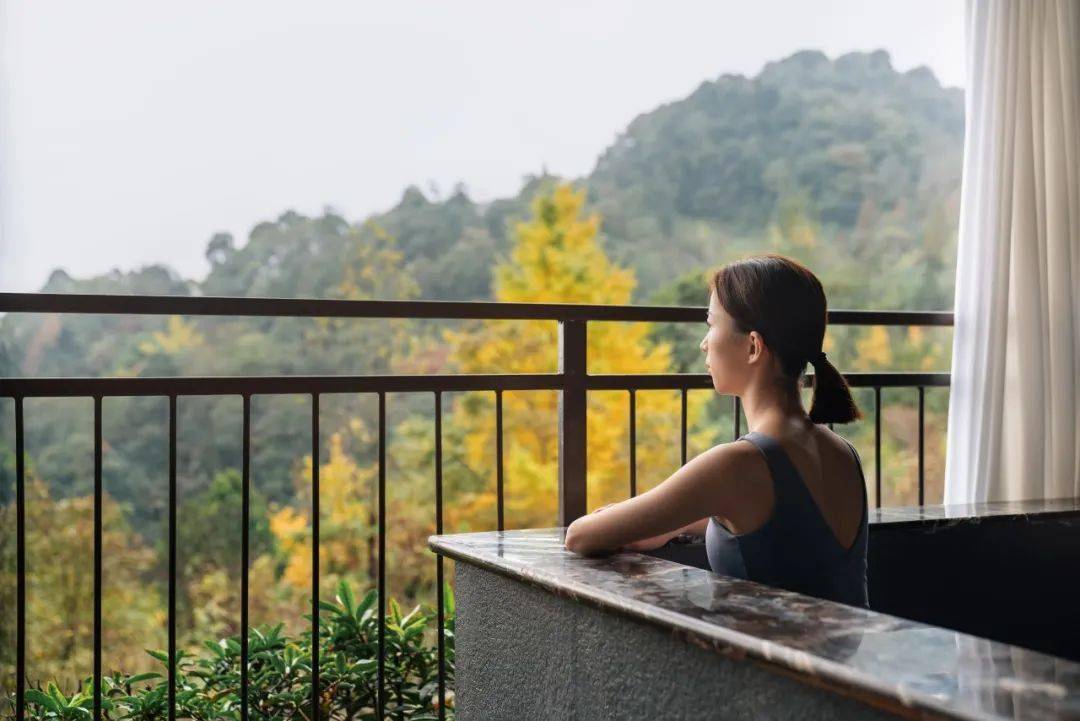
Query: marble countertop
point(974, 512)
point(913, 668)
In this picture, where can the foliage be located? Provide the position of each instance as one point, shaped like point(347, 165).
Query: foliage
point(558, 257)
point(294, 256)
point(208, 685)
point(59, 594)
point(345, 526)
point(865, 154)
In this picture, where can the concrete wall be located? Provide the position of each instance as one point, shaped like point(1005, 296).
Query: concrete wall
point(525, 653)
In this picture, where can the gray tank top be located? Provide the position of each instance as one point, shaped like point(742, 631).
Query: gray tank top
point(795, 549)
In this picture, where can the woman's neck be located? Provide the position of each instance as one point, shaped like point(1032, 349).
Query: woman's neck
point(773, 407)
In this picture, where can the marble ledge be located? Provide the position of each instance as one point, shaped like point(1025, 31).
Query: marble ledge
point(914, 668)
point(975, 512)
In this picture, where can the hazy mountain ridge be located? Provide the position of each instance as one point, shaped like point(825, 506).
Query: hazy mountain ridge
point(847, 163)
point(860, 151)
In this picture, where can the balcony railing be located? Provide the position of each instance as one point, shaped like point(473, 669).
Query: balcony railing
point(571, 380)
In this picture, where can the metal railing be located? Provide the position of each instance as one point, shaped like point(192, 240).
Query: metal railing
point(571, 380)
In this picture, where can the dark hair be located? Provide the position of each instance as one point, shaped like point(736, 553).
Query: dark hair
point(784, 301)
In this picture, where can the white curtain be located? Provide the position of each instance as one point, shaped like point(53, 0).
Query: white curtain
point(1014, 407)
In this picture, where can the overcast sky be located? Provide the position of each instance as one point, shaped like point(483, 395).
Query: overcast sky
point(130, 132)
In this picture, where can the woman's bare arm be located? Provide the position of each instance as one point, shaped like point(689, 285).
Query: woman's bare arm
point(708, 481)
point(696, 528)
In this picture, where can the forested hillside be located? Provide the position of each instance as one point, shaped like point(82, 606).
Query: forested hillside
point(846, 156)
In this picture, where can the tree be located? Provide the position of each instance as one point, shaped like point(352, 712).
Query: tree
point(558, 257)
point(59, 594)
point(344, 525)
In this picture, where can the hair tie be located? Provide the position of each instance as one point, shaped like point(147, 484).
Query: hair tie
point(819, 358)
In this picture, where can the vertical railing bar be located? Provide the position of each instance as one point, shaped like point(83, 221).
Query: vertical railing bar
point(573, 426)
point(315, 695)
point(97, 558)
point(381, 677)
point(20, 566)
point(440, 626)
point(683, 427)
point(172, 558)
point(499, 455)
point(922, 428)
point(245, 521)
point(877, 446)
point(738, 421)
point(633, 443)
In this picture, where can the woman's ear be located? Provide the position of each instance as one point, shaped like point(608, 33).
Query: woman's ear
point(756, 346)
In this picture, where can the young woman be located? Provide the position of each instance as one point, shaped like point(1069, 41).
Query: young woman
point(785, 504)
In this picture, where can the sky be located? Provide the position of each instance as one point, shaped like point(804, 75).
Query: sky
point(132, 131)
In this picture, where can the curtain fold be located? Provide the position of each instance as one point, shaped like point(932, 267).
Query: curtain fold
point(1014, 408)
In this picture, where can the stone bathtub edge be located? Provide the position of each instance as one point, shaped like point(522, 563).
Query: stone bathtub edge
point(804, 665)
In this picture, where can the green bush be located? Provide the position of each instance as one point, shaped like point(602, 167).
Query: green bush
point(279, 672)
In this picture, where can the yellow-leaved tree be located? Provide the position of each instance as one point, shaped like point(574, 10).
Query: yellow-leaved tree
point(557, 258)
point(345, 528)
point(348, 531)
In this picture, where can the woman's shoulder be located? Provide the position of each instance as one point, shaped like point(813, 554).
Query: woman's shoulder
point(737, 456)
point(727, 470)
point(740, 472)
point(839, 443)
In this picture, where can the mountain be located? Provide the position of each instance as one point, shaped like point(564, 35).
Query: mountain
point(846, 155)
point(867, 157)
point(842, 143)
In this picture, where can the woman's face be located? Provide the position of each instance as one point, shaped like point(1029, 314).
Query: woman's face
point(725, 349)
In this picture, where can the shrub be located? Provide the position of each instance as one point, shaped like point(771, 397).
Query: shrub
point(279, 672)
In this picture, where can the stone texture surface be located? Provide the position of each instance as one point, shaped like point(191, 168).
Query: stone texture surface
point(937, 515)
point(523, 653)
point(912, 668)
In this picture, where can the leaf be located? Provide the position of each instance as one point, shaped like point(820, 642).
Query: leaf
point(366, 603)
point(407, 620)
point(143, 677)
point(278, 664)
point(345, 596)
point(42, 699)
point(448, 599)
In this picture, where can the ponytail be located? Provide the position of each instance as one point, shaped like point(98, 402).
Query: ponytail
point(832, 401)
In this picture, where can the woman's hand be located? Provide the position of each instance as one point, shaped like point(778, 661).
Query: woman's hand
point(606, 505)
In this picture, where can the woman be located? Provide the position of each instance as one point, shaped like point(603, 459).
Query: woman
point(785, 504)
